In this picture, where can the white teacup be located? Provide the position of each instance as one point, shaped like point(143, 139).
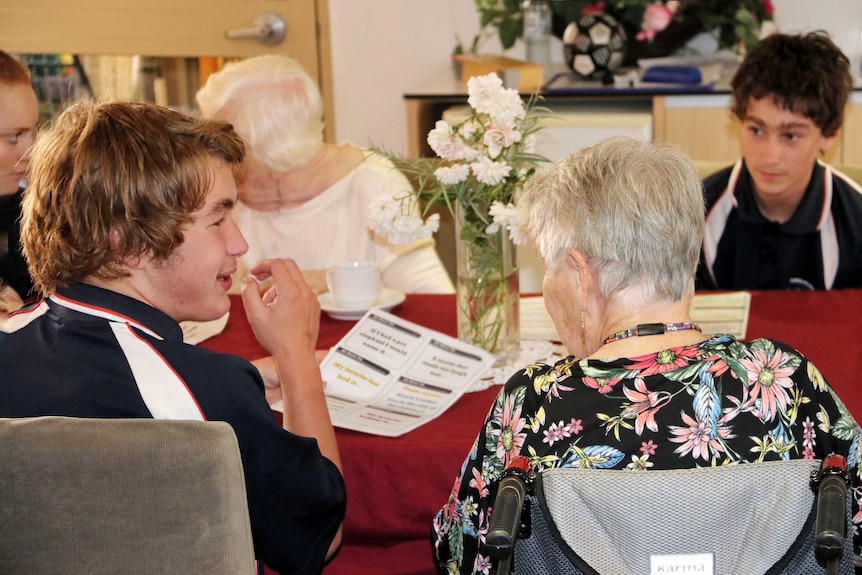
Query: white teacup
point(354, 285)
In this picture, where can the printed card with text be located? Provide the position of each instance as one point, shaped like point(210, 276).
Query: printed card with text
point(388, 376)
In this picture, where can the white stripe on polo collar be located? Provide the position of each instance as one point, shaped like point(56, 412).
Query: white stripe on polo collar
point(164, 392)
point(829, 248)
point(716, 219)
point(101, 312)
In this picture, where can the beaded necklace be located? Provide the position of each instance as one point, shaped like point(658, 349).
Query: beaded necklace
point(651, 329)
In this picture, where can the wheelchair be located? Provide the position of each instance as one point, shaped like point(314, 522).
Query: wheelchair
point(776, 518)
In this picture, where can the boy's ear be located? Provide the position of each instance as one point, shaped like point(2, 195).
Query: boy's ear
point(116, 236)
point(827, 143)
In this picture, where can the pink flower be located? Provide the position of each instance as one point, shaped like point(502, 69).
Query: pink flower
point(594, 8)
point(554, 433)
point(666, 360)
point(645, 405)
point(648, 447)
point(602, 384)
point(451, 511)
point(698, 438)
point(510, 437)
point(478, 483)
point(769, 375)
point(657, 16)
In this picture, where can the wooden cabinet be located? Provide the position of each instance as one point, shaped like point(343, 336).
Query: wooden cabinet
point(705, 128)
point(851, 144)
point(700, 123)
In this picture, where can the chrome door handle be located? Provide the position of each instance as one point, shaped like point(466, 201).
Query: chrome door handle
point(269, 29)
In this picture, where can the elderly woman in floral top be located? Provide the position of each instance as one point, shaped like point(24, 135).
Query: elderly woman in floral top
point(619, 227)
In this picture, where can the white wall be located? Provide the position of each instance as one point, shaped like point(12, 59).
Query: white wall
point(841, 18)
point(382, 49)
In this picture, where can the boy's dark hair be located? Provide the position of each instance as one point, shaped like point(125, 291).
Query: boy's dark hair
point(806, 74)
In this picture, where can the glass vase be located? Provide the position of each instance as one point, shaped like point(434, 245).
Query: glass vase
point(487, 287)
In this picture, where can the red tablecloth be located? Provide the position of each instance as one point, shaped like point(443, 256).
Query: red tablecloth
point(396, 485)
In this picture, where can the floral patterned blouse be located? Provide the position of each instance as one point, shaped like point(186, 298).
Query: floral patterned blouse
point(718, 402)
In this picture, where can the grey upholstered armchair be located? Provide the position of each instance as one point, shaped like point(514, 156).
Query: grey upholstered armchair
point(99, 496)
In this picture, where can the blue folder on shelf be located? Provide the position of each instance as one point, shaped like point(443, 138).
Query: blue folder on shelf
point(572, 84)
point(672, 75)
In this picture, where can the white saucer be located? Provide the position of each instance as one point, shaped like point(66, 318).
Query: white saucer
point(388, 299)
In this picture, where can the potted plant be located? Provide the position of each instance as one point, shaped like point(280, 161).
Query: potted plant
point(736, 24)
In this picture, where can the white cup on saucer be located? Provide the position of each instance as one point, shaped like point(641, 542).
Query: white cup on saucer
point(354, 285)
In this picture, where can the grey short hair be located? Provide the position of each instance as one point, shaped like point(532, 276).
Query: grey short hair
point(635, 209)
point(273, 104)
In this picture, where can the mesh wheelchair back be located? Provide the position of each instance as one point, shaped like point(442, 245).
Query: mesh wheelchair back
point(753, 518)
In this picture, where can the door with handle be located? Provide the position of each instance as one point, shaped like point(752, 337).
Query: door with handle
point(171, 28)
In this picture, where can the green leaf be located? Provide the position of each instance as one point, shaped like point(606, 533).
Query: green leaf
point(469, 234)
point(686, 373)
point(510, 30)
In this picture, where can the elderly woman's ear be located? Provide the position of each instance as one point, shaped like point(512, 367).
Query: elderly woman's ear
point(577, 263)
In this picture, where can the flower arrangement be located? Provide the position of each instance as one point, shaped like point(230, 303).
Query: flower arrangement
point(480, 166)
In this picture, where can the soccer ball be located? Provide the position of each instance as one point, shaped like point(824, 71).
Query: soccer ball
point(594, 45)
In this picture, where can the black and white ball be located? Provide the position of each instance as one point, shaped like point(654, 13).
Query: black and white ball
point(594, 45)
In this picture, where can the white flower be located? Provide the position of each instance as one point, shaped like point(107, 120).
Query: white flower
point(469, 127)
point(432, 224)
point(443, 141)
point(382, 210)
point(490, 172)
point(495, 141)
point(488, 96)
point(506, 216)
point(464, 151)
point(508, 108)
point(503, 213)
point(451, 175)
point(450, 145)
point(483, 91)
point(404, 228)
point(498, 138)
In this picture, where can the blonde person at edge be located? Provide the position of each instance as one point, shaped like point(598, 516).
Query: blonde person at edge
point(303, 198)
point(19, 113)
point(618, 227)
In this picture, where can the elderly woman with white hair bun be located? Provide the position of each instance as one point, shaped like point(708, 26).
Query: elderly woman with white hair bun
point(618, 227)
point(303, 198)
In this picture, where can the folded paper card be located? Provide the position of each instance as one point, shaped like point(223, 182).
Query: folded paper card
point(388, 375)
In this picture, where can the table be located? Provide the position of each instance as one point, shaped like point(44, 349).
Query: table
point(396, 485)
